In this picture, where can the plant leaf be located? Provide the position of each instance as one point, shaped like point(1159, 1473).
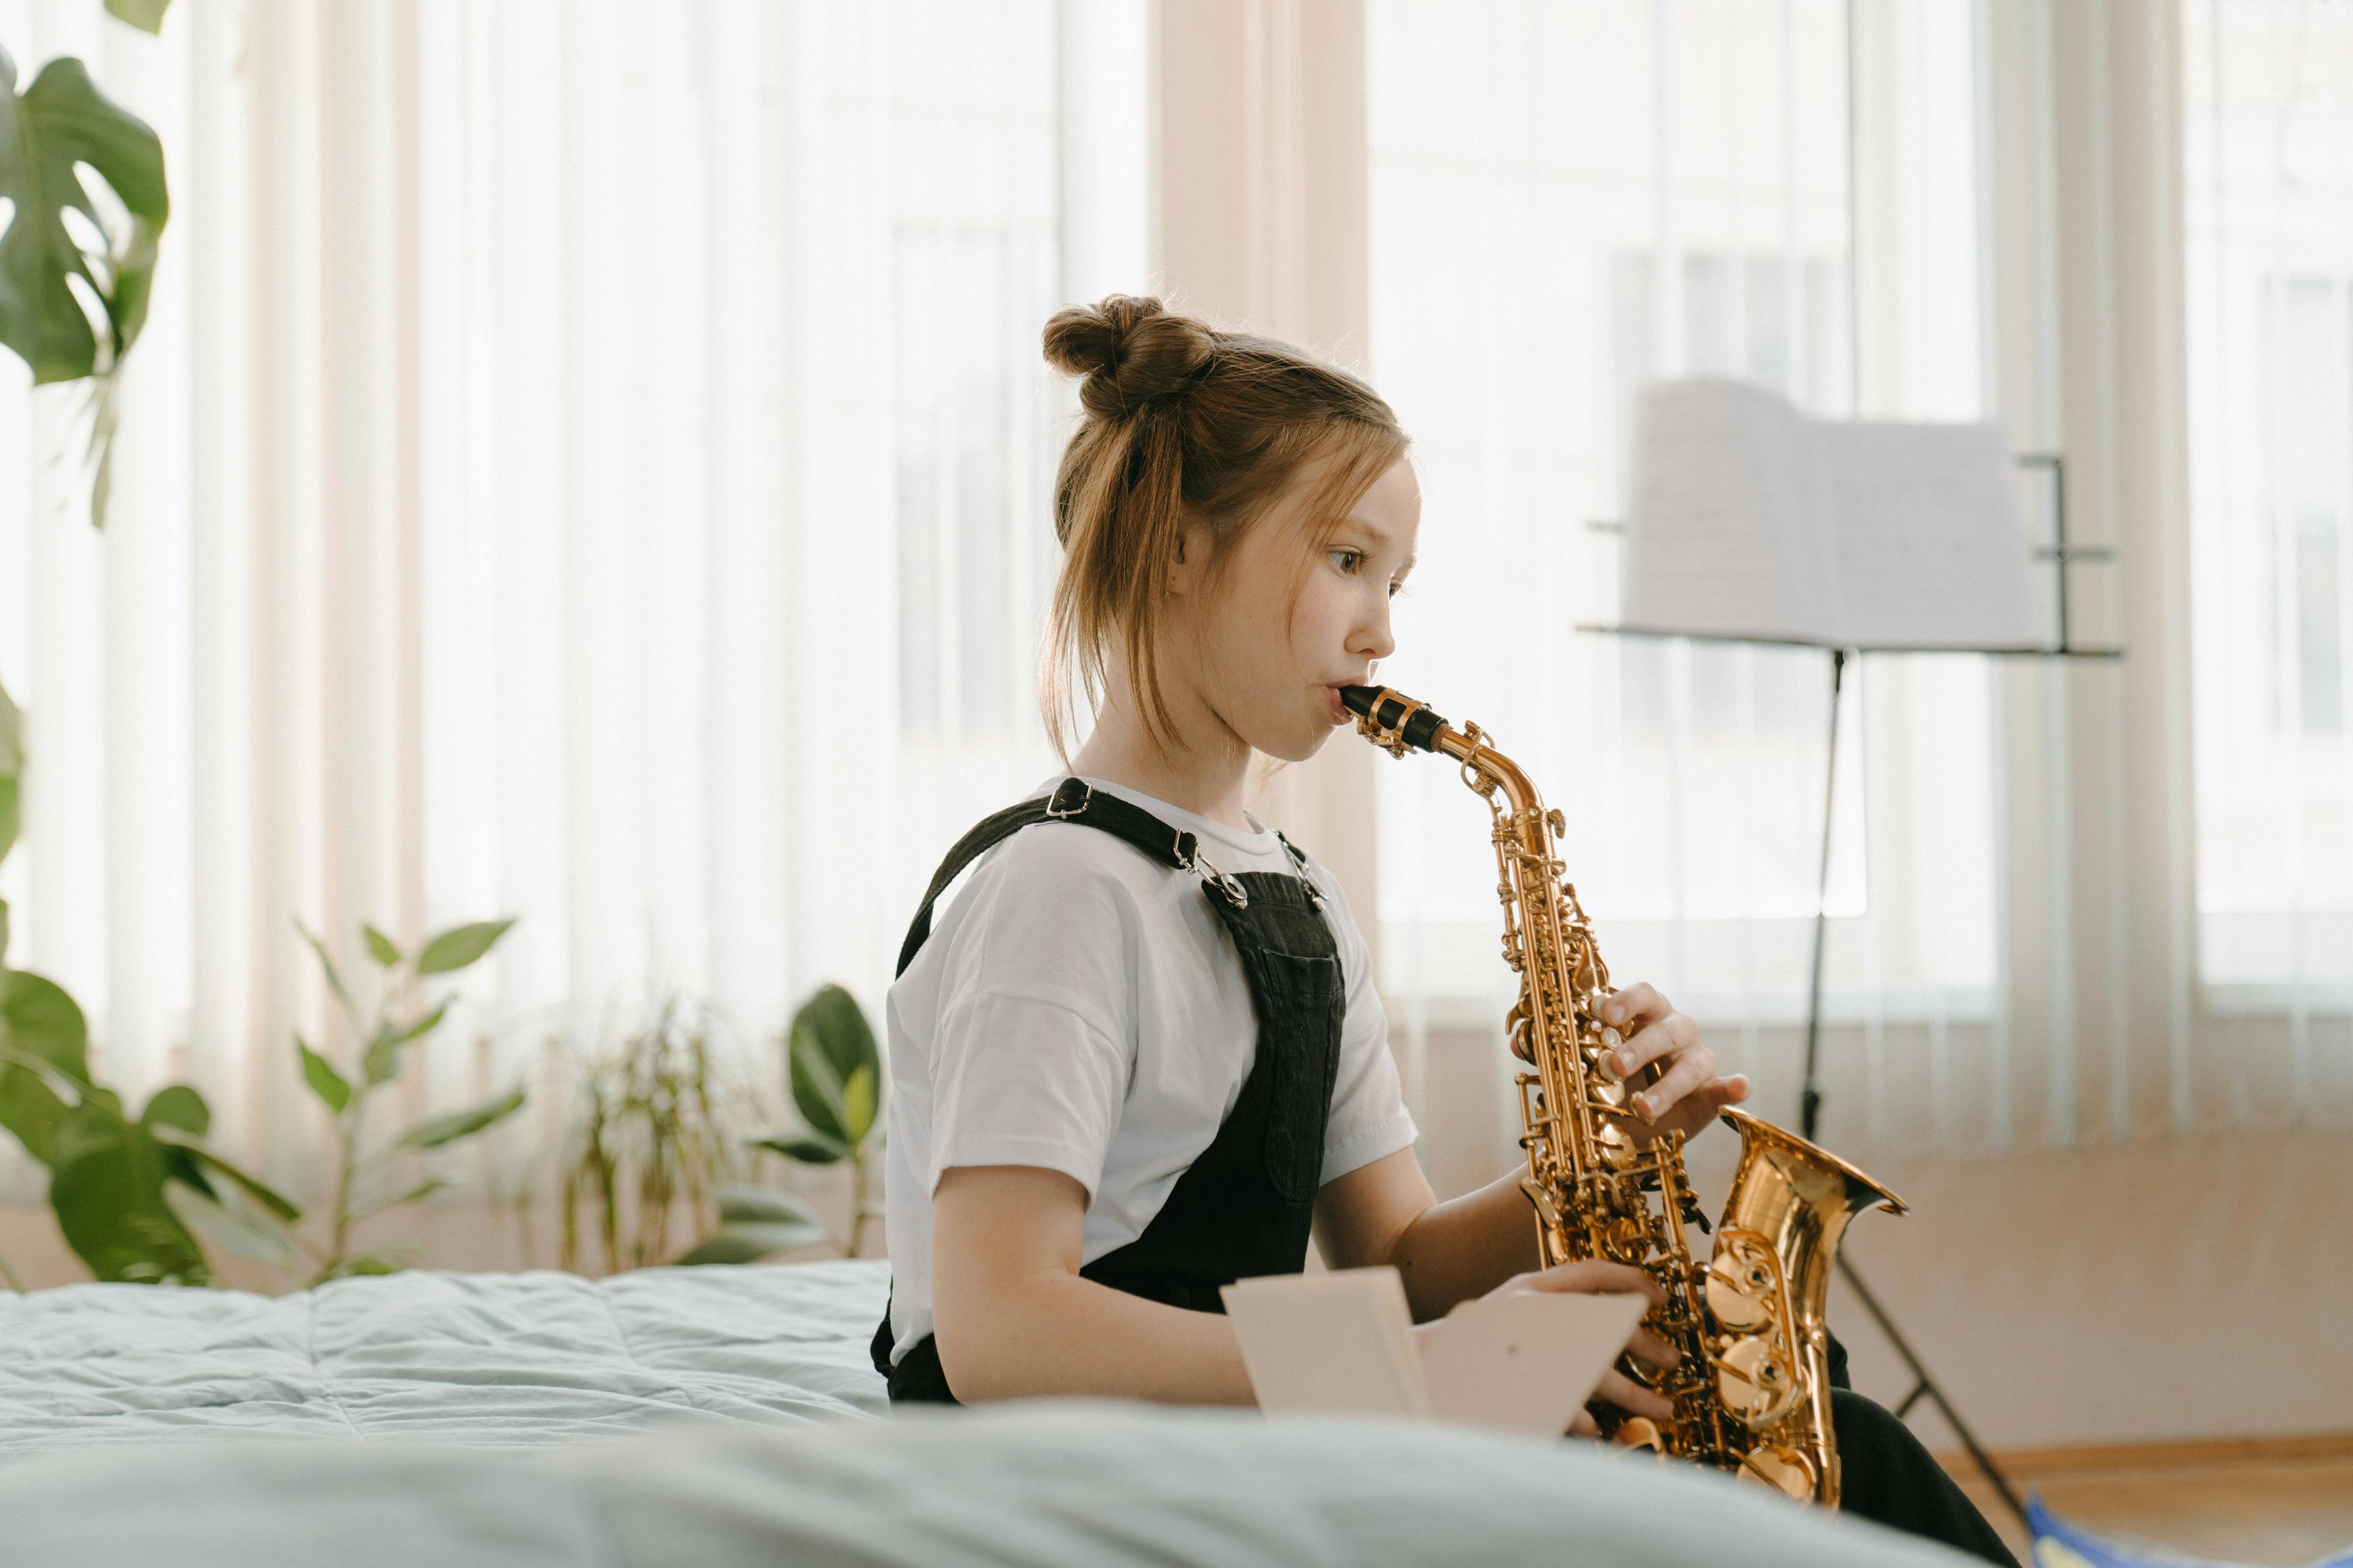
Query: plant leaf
point(381, 948)
point(422, 1190)
point(176, 1142)
point(460, 945)
point(809, 1149)
point(740, 1204)
point(381, 1063)
point(334, 975)
point(366, 1263)
point(177, 1105)
point(107, 1190)
point(445, 1129)
point(750, 1243)
point(232, 1225)
point(147, 16)
point(830, 1041)
point(40, 1027)
point(325, 1082)
point(859, 1098)
point(816, 1093)
point(12, 769)
point(61, 123)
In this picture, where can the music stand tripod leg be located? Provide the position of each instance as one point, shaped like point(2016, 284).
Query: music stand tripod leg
point(1810, 1106)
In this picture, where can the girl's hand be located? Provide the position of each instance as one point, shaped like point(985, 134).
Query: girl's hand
point(1593, 1279)
point(1688, 1093)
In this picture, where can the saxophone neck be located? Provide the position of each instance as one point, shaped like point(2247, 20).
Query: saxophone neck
point(1398, 723)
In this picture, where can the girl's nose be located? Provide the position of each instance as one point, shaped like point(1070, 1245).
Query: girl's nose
point(1373, 641)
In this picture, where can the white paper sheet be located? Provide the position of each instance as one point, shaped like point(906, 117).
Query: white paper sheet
point(1343, 1343)
point(1747, 519)
point(1329, 1344)
point(1524, 1364)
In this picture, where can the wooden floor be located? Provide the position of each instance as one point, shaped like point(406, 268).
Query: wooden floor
point(2274, 1502)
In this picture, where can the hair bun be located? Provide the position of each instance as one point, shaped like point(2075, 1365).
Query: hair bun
point(1129, 350)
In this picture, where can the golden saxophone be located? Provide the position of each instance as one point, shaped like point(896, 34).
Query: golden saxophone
point(1751, 1394)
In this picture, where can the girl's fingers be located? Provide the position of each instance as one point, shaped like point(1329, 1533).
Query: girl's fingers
point(1665, 1037)
point(1593, 1276)
point(1583, 1425)
point(1693, 1067)
point(1631, 1008)
point(1649, 1347)
point(1615, 1388)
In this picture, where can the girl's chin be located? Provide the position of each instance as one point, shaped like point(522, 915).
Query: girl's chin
point(1296, 748)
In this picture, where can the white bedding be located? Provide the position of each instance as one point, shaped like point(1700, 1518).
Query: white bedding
point(501, 1359)
point(746, 1409)
point(1066, 1485)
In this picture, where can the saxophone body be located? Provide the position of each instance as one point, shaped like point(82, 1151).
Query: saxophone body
point(1751, 1393)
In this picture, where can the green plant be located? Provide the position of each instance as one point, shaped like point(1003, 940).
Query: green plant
point(370, 1180)
point(76, 275)
point(123, 1189)
point(655, 1129)
point(835, 1074)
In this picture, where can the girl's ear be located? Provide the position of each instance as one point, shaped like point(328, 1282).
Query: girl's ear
point(1185, 570)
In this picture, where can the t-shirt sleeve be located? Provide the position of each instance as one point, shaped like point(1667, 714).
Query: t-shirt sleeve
point(1026, 1069)
point(1370, 1121)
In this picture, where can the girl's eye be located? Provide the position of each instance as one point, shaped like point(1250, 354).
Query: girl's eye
point(1347, 560)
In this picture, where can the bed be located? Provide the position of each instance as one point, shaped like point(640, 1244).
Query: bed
point(725, 1417)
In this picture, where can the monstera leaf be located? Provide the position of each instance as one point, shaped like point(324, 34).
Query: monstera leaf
point(44, 1047)
point(75, 279)
point(61, 125)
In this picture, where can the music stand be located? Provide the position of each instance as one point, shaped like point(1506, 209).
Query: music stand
point(1747, 438)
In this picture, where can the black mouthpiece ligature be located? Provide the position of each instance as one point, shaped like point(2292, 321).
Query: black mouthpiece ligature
point(1421, 724)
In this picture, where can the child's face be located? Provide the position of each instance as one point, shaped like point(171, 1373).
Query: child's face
point(1271, 665)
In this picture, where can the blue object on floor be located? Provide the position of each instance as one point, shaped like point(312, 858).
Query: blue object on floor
point(2058, 1545)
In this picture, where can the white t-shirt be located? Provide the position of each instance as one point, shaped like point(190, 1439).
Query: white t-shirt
point(1079, 1007)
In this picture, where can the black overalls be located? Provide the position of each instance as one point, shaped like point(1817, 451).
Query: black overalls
point(1243, 1207)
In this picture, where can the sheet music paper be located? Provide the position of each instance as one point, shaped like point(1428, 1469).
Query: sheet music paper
point(1343, 1343)
point(1334, 1344)
point(1748, 519)
point(1524, 1364)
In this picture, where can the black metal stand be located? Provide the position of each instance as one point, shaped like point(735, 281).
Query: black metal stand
point(1809, 1109)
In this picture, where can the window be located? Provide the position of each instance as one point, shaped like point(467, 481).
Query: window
point(1570, 200)
point(2269, 215)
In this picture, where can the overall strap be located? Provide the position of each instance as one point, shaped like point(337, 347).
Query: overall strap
point(1072, 800)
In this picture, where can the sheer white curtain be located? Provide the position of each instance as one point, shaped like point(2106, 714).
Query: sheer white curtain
point(588, 463)
point(1566, 201)
point(2268, 117)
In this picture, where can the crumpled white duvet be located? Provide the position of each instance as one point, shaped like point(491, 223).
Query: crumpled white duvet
point(740, 1416)
point(530, 1358)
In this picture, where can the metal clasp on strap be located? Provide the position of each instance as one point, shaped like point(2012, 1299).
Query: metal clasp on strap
point(1056, 811)
point(1188, 851)
point(1299, 862)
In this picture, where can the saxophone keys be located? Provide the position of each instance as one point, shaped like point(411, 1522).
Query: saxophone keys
point(1786, 1470)
point(1639, 1432)
point(1755, 1383)
point(1739, 1294)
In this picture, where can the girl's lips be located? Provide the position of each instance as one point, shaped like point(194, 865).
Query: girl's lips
point(1339, 709)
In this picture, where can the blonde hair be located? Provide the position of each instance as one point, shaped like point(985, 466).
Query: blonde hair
point(1182, 422)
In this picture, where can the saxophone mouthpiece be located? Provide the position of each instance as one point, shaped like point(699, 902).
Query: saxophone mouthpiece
point(1389, 714)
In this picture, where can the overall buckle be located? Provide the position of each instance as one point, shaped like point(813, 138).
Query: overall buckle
point(1057, 812)
point(1189, 850)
